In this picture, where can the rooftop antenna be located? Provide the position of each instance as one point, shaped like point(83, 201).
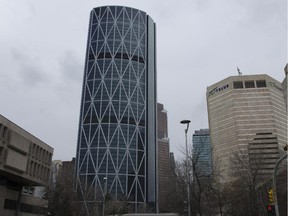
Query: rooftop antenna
point(239, 72)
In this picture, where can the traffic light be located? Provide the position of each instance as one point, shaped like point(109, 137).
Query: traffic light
point(271, 210)
point(271, 196)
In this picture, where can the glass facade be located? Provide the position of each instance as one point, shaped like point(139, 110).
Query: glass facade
point(116, 108)
point(202, 153)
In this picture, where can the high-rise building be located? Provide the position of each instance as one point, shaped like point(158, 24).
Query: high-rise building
point(163, 172)
point(66, 174)
point(56, 166)
point(284, 85)
point(172, 161)
point(202, 154)
point(244, 112)
point(116, 149)
point(172, 170)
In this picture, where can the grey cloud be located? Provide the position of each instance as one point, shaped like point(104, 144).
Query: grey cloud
point(261, 12)
point(70, 66)
point(198, 43)
point(202, 4)
point(29, 70)
point(17, 55)
point(31, 75)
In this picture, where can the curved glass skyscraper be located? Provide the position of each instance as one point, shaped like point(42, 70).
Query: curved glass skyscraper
point(116, 150)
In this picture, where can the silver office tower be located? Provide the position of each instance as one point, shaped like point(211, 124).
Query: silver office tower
point(116, 150)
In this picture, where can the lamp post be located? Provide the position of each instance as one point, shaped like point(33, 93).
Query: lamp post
point(104, 196)
point(187, 122)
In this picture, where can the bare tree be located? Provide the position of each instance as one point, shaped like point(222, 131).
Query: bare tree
point(201, 165)
point(177, 197)
point(216, 195)
point(208, 195)
point(118, 206)
point(62, 201)
point(205, 195)
point(244, 192)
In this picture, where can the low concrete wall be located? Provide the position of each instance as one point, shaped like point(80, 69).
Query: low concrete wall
point(151, 214)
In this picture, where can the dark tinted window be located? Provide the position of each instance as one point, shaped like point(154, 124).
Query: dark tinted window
point(249, 84)
point(238, 84)
point(260, 83)
point(10, 204)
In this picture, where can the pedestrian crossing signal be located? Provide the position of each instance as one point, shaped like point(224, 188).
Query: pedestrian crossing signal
point(271, 210)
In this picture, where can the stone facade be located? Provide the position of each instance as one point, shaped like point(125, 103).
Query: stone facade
point(24, 161)
point(239, 108)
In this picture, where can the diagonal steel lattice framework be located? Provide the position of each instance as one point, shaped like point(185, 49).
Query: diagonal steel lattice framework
point(112, 140)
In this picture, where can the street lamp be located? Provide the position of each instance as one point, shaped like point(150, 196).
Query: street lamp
point(104, 196)
point(187, 122)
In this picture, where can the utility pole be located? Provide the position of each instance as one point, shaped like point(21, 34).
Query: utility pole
point(274, 183)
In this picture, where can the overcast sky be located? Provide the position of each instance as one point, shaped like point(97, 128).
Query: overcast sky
point(199, 42)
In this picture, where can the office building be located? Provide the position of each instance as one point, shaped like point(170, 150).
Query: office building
point(67, 173)
point(163, 158)
point(56, 167)
point(62, 174)
point(243, 112)
point(172, 161)
point(284, 85)
point(202, 154)
point(116, 149)
point(263, 152)
point(62, 194)
point(24, 166)
point(172, 171)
